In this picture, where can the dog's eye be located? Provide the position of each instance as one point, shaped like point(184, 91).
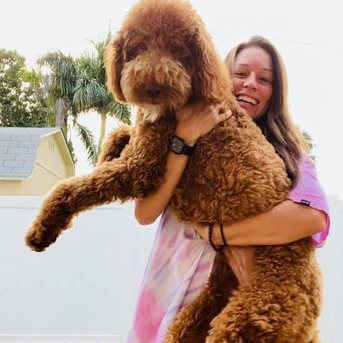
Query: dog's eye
point(131, 54)
point(174, 48)
point(133, 50)
point(142, 46)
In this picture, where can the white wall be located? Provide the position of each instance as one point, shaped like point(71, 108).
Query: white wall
point(84, 287)
point(85, 284)
point(331, 260)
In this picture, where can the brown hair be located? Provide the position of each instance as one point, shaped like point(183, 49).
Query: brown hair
point(276, 123)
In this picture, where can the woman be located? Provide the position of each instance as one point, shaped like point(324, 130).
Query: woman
point(180, 261)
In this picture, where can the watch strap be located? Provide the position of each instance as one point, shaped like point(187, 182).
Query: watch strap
point(187, 149)
point(179, 146)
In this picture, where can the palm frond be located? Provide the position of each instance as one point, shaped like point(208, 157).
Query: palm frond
point(89, 94)
point(89, 64)
point(120, 111)
point(88, 141)
point(63, 73)
point(100, 47)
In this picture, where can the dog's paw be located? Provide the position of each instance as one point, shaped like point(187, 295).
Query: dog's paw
point(39, 237)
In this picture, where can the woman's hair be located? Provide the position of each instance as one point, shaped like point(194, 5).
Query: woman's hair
point(276, 123)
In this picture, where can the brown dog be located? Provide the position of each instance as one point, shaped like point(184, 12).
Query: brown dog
point(160, 60)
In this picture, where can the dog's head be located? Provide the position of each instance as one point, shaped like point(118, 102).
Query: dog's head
point(163, 58)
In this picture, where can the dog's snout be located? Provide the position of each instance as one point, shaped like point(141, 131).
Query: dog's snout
point(153, 91)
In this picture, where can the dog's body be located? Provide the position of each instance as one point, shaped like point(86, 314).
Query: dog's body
point(161, 60)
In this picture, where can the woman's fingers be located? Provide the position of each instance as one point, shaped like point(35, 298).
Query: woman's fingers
point(220, 112)
point(195, 121)
point(221, 116)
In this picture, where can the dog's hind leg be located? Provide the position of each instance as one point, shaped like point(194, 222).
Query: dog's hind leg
point(193, 322)
point(264, 312)
point(115, 143)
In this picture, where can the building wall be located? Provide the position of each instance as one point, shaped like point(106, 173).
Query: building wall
point(49, 168)
point(84, 287)
point(50, 157)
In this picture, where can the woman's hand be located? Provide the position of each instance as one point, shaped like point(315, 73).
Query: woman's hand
point(196, 120)
point(202, 231)
point(239, 258)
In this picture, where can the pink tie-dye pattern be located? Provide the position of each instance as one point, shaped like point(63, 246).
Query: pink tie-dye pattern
point(177, 270)
point(148, 315)
point(180, 264)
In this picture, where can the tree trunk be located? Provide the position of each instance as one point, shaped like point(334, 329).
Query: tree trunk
point(103, 117)
point(61, 113)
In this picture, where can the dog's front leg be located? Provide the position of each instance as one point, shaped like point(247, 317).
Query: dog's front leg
point(137, 173)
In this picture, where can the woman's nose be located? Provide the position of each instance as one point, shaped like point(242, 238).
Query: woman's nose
point(250, 82)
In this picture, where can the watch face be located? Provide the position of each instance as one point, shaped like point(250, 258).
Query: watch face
point(176, 145)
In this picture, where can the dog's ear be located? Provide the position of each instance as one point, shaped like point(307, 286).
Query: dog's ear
point(114, 65)
point(210, 76)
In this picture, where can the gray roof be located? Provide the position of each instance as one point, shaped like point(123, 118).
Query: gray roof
point(18, 150)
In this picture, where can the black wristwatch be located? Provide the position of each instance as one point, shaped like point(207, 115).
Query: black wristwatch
point(178, 146)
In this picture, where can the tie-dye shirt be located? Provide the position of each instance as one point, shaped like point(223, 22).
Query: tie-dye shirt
point(180, 264)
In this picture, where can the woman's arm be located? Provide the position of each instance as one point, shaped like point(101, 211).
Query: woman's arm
point(193, 122)
point(148, 209)
point(284, 223)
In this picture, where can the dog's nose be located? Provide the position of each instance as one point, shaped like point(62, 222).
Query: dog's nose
point(153, 91)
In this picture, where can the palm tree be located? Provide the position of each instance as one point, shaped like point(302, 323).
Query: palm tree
point(78, 86)
point(90, 92)
point(60, 84)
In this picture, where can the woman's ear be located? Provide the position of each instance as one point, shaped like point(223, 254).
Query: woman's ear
point(114, 64)
point(211, 79)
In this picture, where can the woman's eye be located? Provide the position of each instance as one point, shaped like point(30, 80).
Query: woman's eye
point(265, 80)
point(239, 74)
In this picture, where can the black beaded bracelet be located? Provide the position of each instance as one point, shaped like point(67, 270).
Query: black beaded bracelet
point(210, 239)
point(223, 236)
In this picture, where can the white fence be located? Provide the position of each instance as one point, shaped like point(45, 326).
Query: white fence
point(84, 287)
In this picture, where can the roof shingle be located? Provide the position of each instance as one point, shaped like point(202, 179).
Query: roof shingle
point(18, 149)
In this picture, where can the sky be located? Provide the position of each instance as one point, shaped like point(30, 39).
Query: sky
point(307, 33)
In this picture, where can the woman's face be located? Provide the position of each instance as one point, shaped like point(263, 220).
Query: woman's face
point(252, 77)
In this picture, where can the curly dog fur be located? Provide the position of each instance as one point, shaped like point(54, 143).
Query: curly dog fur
point(160, 60)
